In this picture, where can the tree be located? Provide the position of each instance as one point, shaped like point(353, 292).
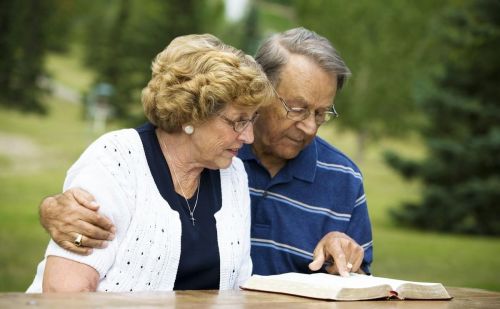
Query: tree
point(251, 33)
point(387, 46)
point(123, 38)
point(461, 174)
point(23, 37)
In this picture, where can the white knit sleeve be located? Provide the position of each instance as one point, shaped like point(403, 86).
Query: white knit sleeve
point(93, 173)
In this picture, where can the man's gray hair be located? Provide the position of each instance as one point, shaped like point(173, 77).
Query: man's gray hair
point(274, 52)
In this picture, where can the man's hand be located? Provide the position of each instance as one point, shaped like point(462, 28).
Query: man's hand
point(347, 255)
point(74, 212)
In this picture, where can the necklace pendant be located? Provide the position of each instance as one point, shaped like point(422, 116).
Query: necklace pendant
point(191, 212)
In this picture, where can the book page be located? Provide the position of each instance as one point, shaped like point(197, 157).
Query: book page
point(319, 285)
point(409, 289)
point(353, 281)
point(394, 283)
point(327, 280)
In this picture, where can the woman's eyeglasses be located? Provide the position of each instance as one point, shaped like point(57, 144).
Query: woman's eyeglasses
point(240, 125)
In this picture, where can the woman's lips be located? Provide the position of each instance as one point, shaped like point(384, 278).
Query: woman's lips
point(233, 151)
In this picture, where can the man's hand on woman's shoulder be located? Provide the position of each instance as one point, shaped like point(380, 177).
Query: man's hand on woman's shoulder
point(74, 212)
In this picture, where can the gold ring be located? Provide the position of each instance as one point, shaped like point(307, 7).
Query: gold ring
point(78, 240)
point(349, 265)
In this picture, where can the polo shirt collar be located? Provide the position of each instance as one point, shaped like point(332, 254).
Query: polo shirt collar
point(302, 167)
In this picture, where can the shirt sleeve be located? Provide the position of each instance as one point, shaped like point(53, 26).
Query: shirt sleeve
point(92, 173)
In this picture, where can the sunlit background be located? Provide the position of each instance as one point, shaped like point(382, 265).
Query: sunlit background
point(420, 115)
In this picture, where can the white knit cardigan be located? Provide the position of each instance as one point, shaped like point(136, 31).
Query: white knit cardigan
point(145, 252)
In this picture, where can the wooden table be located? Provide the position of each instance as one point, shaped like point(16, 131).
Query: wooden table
point(463, 298)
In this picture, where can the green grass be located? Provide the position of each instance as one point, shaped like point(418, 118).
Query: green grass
point(35, 152)
point(35, 172)
point(21, 237)
point(48, 146)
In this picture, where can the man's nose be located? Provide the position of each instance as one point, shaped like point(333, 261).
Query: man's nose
point(308, 125)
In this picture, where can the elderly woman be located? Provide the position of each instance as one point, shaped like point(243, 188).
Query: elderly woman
point(173, 187)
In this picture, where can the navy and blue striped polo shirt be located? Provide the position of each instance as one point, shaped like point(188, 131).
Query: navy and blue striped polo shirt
point(319, 191)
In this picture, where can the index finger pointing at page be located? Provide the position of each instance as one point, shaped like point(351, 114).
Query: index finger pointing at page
point(337, 252)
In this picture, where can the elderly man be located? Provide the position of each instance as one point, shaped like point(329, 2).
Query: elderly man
point(309, 209)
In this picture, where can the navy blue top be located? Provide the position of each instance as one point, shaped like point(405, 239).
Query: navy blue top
point(319, 191)
point(199, 264)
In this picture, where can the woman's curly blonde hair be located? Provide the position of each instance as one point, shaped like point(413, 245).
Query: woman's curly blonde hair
point(196, 77)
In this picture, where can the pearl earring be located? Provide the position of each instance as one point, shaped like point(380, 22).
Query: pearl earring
point(189, 129)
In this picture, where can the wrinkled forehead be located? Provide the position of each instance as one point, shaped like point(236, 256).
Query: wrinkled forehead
point(303, 80)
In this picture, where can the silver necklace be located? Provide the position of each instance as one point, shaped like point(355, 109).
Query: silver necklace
point(191, 212)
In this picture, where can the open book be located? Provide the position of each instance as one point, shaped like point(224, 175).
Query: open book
point(354, 287)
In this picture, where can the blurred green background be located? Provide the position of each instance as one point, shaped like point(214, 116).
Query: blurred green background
point(54, 53)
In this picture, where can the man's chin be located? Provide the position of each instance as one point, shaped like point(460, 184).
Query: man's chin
point(290, 153)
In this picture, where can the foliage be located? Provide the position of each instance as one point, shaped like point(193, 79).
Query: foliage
point(63, 18)
point(245, 33)
point(123, 37)
point(251, 31)
point(387, 47)
point(461, 174)
point(23, 43)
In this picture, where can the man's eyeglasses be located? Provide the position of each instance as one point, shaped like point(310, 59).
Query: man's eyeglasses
point(301, 113)
point(241, 125)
